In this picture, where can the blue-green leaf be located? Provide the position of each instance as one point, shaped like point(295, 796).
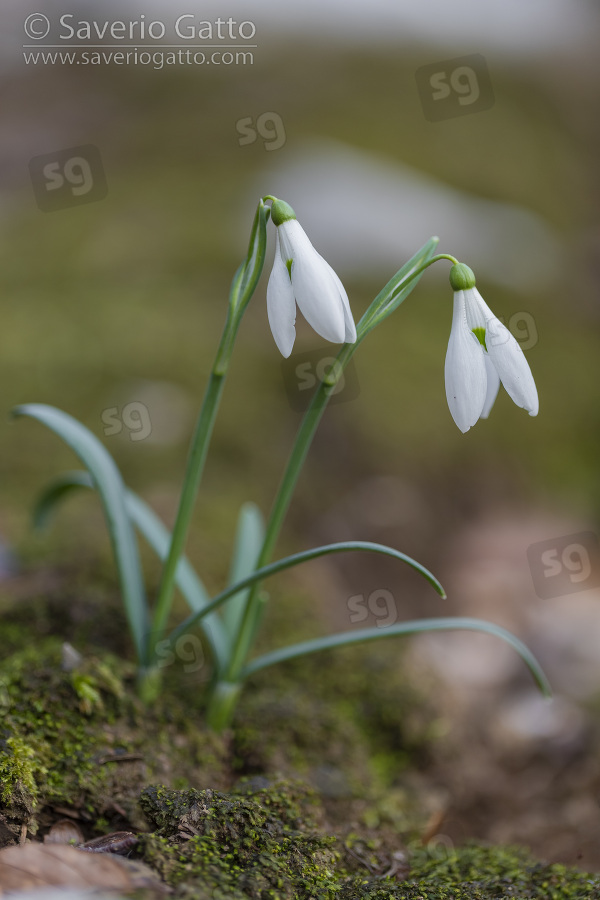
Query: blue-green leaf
point(402, 628)
point(186, 579)
point(297, 558)
point(158, 537)
point(55, 492)
point(109, 484)
point(249, 538)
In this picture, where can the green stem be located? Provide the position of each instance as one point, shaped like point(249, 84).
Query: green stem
point(299, 452)
point(193, 475)
point(280, 507)
point(243, 286)
point(221, 705)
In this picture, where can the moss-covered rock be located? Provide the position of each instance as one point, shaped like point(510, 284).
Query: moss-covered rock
point(250, 844)
point(79, 739)
point(475, 872)
point(352, 724)
point(262, 844)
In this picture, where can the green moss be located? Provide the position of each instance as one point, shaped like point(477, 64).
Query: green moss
point(493, 873)
point(351, 724)
point(18, 767)
point(250, 844)
point(43, 756)
point(79, 739)
point(474, 872)
point(260, 842)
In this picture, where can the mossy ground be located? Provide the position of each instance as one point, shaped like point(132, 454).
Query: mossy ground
point(82, 738)
point(262, 844)
point(79, 741)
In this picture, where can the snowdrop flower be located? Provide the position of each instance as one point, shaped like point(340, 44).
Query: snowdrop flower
point(300, 275)
point(482, 353)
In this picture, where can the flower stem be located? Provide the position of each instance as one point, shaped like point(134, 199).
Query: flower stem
point(281, 504)
point(242, 288)
point(193, 475)
point(221, 705)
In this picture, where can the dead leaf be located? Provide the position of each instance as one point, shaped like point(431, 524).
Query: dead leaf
point(55, 865)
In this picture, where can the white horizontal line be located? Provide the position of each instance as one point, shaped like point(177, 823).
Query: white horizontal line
point(140, 46)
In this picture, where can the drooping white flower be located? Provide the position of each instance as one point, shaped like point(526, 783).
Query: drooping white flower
point(301, 276)
point(482, 353)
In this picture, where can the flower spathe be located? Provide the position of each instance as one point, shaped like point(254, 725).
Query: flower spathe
point(301, 276)
point(482, 353)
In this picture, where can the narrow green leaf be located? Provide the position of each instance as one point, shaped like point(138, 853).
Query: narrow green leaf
point(158, 537)
point(402, 628)
point(396, 290)
point(55, 492)
point(245, 285)
point(249, 538)
point(186, 579)
point(294, 560)
point(109, 484)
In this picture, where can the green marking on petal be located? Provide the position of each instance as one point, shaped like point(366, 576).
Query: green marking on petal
point(288, 264)
point(480, 335)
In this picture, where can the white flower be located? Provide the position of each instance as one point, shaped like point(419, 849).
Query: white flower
point(300, 275)
point(482, 353)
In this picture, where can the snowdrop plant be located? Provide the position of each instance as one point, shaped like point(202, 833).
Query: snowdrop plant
point(230, 620)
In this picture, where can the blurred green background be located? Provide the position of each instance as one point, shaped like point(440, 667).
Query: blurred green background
point(122, 300)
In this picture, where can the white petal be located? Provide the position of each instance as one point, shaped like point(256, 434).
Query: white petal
point(465, 369)
point(476, 301)
point(314, 283)
point(475, 309)
point(281, 306)
point(350, 327)
point(493, 386)
point(511, 365)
